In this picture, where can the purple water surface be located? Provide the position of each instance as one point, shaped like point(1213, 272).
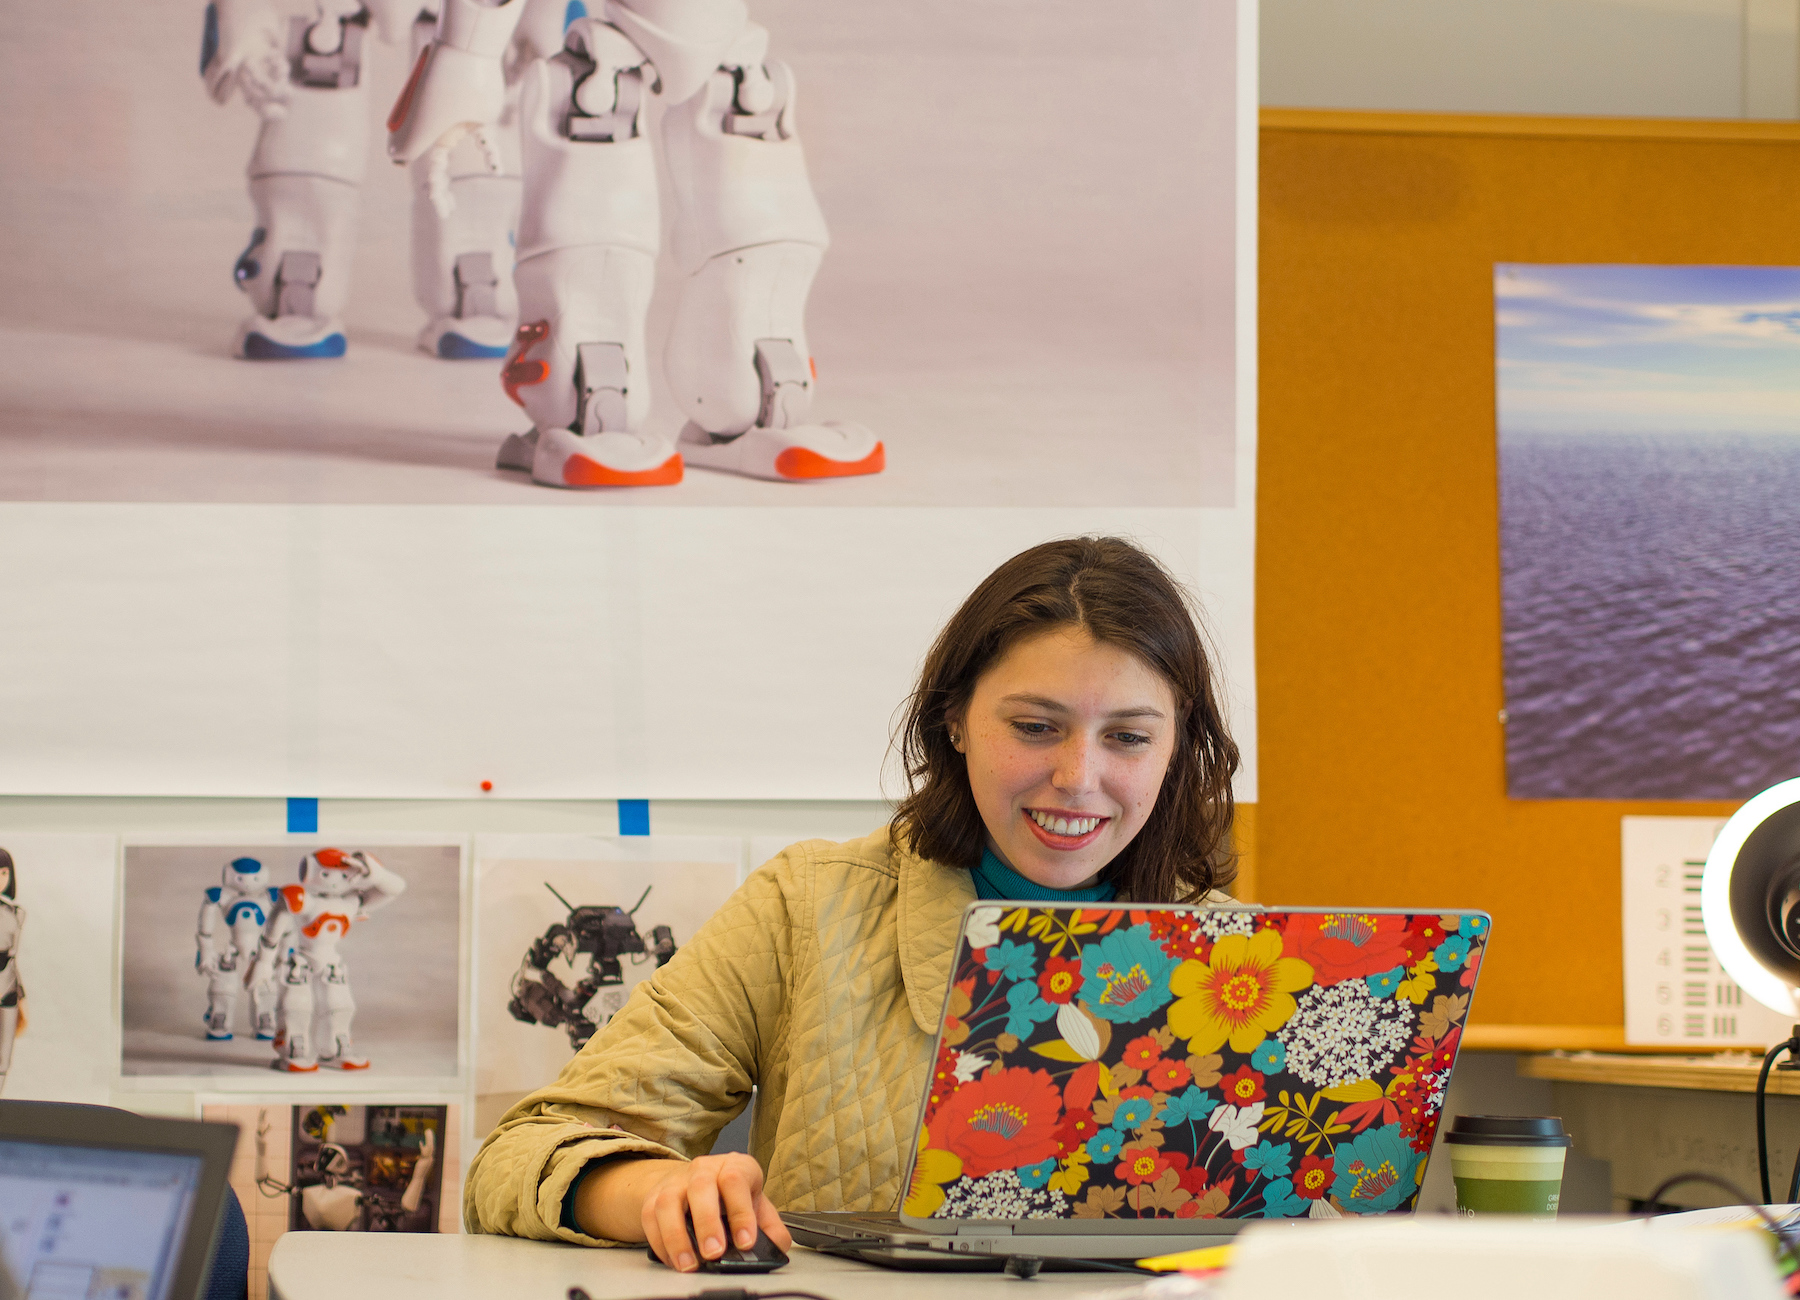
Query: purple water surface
point(1652, 614)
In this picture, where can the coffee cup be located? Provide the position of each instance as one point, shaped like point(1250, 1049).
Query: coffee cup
point(1507, 1164)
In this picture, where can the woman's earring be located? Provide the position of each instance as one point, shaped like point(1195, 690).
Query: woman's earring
point(955, 742)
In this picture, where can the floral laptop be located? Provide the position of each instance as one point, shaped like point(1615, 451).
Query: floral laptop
point(1178, 1071)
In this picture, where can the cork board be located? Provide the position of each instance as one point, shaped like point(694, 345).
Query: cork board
point(1378, 578)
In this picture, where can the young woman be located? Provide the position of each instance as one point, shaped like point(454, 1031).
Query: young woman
point(1064, 743)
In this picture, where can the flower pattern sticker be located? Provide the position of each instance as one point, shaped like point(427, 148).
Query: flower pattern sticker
point(1208, 1063)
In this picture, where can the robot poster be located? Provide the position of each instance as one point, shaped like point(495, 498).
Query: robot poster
point(341, 1166)
point(807, 314)
point(244, 964)
point(56, 907)
point(563, 940)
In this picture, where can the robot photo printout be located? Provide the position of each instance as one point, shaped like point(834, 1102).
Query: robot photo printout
point(56, 907)
point(562, 943)
point(245, 963)
point(341, 1166)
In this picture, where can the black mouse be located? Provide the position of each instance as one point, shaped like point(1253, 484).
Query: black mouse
point(764, 1257)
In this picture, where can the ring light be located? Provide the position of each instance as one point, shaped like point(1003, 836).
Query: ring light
point(1750, 897)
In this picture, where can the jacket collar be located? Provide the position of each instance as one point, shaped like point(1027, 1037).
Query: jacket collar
point(932, 899)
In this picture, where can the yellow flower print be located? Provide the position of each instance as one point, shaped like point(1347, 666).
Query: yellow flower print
point(1420, 985)
point(930, 1172)
point(1242, 994)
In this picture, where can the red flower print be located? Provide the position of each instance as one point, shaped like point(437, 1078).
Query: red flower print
point(1060, 982)
point(1425, 933)
point(1167, 1076)
point(1243, 1086)
point(1077, 1127)
point(943, 1079)
point(1470, 966)
point(1142, 1053)
point(1083, 1085)
point(1004, 1119)
point(1179, 934)
point(1348, 945)
point(1141, 1165)
point(1314, 1177)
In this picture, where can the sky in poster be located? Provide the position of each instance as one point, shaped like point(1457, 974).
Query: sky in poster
point(1643, 349)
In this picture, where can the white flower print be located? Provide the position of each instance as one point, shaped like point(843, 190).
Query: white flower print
point(1236, 1124)
point(968, 1065)
point(1216, 923)
point(1078, 1032)
point(1344, 1033)
point(982, 929)
point(1000, 1195)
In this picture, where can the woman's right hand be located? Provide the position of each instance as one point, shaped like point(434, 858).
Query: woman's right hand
point(723, 1193)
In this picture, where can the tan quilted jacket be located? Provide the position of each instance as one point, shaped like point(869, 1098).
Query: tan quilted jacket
point(821, 982)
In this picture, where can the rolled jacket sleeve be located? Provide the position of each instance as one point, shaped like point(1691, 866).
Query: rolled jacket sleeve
point(660, 1079)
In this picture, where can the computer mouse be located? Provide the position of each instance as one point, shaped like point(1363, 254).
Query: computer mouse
point(763, 1257)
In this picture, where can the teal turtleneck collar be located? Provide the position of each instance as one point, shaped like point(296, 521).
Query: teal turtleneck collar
point(994, 879)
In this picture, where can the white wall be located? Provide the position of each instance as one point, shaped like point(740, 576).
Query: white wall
point(1626, 58)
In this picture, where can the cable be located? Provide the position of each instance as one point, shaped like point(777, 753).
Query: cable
point(1074, 1264)
point(1762, 1124)
point(1736, 1193)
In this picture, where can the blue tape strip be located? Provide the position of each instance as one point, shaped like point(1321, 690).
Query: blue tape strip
point(303, 816)
point(634, 816)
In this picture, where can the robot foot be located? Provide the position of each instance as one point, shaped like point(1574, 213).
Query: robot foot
point(263, 1036)
point(346, 1062)
point(288, 338)
point(560, 458)
point(467, 338)
point(793, 455)
point(218, 1035)
point(286, 1066)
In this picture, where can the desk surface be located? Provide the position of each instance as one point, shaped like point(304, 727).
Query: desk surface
point(426, 1266)
point(1726, 1073)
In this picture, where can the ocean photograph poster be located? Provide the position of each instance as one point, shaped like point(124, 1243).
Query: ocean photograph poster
point(1649, 457)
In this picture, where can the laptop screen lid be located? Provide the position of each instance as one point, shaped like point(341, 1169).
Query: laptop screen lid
point(1119, 1066)
point(100, 1204)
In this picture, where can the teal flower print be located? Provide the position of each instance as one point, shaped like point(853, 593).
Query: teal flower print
point(1026, 1010)
point(1280, 1202)
point(1032, 1177)
point(1375, 1171)
point(1451, 953)
point(1133, 1111)
point(1105, 1145)
point(1190, 1107)
point(1271, 1159)
point(1270, 1056)
point(1384, 985)
point(1126, 975)
point(1016, 961)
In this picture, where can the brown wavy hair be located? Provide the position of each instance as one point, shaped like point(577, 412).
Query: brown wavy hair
point(1121, 596)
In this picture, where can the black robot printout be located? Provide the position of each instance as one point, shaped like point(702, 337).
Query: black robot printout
point(564, 941)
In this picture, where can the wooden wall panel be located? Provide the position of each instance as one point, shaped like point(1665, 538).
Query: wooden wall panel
point(1378, 596)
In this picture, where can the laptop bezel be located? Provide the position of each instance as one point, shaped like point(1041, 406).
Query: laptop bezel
point(1104, 1227)
point(106, 1129)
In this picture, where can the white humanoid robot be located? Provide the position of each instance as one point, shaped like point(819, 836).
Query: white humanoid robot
point(12, 991)
point(300, 946)
point(232, 916)
point(746, 233)
point(306, 76)
point(333, 1195)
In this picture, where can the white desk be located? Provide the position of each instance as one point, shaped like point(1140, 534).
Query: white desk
point(424, 1266)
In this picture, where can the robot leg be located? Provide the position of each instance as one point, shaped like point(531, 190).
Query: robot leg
point(305, 177)
point(264, 1007)
point(297, 1054)
point(221, 997)
point(587, 256)
point(340, 1010)
point(462, 262)
point(748, 239)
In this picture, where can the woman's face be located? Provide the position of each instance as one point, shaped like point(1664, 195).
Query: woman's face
point(1067, 740)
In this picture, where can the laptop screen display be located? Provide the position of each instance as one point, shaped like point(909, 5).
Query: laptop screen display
point(81, 1223)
